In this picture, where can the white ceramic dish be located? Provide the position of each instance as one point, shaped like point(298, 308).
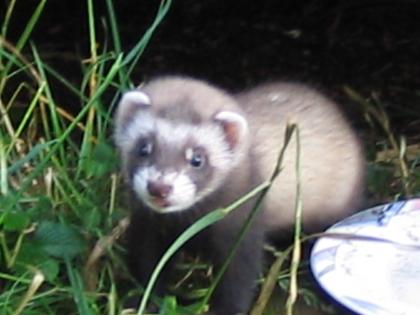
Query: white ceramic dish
point(373, 266)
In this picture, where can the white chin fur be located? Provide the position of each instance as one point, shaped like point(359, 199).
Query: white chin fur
point(183, 193)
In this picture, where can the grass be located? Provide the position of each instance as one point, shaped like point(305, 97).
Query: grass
point(61, 214)
point(59, 175)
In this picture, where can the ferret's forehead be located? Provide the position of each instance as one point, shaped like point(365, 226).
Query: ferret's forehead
point(172, 132)
point(194, 96)
point(181, 113)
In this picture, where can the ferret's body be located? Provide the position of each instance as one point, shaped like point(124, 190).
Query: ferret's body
point(188, 148)
point(331, 158)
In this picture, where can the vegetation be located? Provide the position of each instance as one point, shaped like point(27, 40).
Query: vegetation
point(60, 198)
point(59, 175)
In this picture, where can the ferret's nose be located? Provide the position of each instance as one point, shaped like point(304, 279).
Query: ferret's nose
point(158, 189)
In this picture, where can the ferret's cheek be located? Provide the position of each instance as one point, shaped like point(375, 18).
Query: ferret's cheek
point(139, 183)
point(204, 177)
point(184, 192)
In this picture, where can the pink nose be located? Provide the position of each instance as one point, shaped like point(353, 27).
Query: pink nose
point(158, 189)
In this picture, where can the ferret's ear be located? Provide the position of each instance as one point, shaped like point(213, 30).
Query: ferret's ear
point(131, 102)
point(234, 125)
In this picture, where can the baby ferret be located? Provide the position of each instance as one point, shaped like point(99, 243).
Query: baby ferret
point(188, 147)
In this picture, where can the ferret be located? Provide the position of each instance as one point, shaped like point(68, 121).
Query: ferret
point(188, 147)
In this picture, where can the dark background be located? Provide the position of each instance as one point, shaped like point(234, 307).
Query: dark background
point(370, 44)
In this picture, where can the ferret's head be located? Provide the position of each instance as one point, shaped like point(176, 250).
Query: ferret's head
point(178, 140)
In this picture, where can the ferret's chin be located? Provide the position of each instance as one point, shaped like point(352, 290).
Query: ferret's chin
point(164, 206)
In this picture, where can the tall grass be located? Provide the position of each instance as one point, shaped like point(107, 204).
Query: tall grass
point(60, 215)
point(58, 190)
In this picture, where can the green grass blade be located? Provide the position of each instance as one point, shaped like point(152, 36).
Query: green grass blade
point(92, 33)
point(23, 40)
point(115, 33)
point(7, 17)
point(296, 253)
point(134, 55)
point(78, 291)
point(27, 116)
point(4, 187)
point(57, 129)
point(101, 89)
point(31, 25)
point(66, 83)
point(32, 155)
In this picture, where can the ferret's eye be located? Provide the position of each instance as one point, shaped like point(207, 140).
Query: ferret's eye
point(196, 157)
point(145, 148)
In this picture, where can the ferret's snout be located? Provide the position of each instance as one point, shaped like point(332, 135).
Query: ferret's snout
point(159, 189)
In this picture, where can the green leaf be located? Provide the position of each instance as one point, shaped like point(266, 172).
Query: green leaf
point(50, 269)
point(15, 221)
point(8, 202)
point(42, 208)
point(102, 162)
point(59, 240)
point(168, 306)
point(31, 254)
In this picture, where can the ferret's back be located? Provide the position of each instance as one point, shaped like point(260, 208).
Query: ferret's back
point(332, 166)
